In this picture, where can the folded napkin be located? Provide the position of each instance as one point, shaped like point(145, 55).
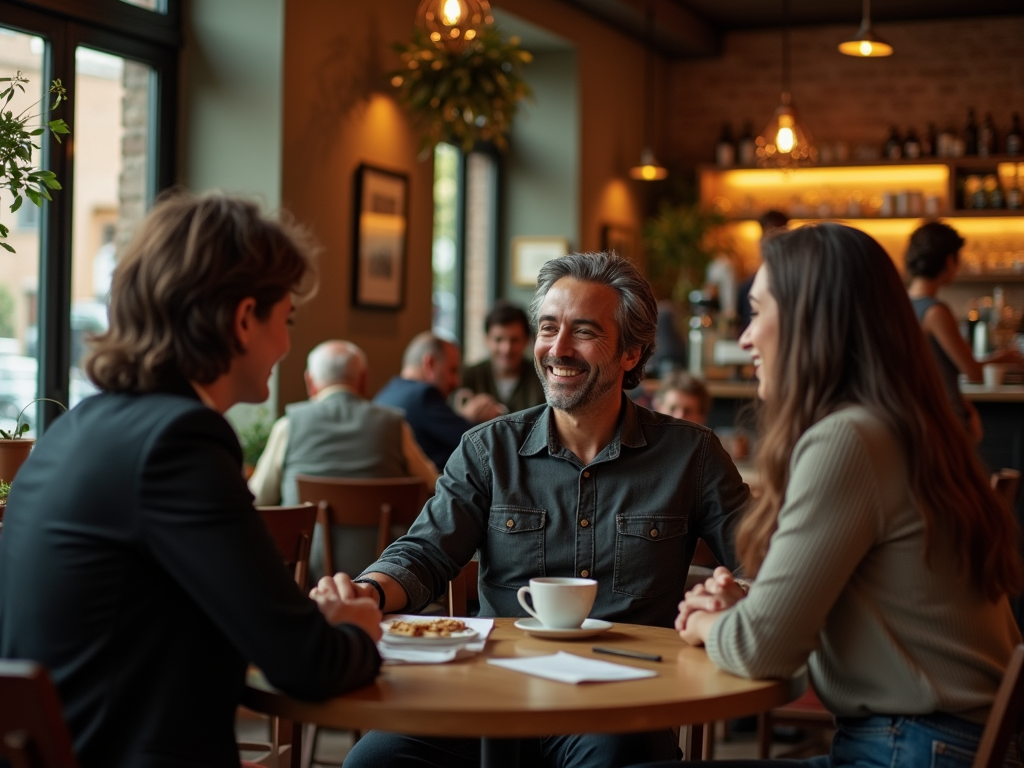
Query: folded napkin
point(569, 668)
point(434, 654)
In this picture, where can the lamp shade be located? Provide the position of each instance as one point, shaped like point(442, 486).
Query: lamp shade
point(866, 43)
point(784, 142)
point(453, 24)
point(648, 169)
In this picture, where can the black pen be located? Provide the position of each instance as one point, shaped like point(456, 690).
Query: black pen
point(630, 654)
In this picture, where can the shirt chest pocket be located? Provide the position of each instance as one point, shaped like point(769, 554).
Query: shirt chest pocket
point(649, 555)
point(515, 545)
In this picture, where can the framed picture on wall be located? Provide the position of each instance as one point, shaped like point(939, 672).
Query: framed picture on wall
point(379, 240)
point(529, 255)
point(618, 238)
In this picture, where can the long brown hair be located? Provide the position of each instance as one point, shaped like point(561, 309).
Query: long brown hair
point(175, 290)
point(848, 334)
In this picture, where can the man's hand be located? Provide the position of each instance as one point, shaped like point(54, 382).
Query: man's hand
point(341, 602)
point(715, 595)
point(480, 408)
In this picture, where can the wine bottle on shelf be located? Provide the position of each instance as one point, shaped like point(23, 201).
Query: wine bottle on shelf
point(725, 149)
point(971, 134)
point(993, 192)
point(746, 149)
point(893, 145)
point(1014, 139)
point(911, 145)
point(988, 142)
point(1014, 193)
point(930, 141)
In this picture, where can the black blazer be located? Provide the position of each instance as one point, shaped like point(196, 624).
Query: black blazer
point(133, 565)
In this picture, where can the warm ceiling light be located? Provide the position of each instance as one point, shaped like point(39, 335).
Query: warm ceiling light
point(452, 24)
point(865, 43)
point(784, 142)
point(648, 169)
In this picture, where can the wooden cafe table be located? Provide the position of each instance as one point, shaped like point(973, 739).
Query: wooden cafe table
point(470, 698)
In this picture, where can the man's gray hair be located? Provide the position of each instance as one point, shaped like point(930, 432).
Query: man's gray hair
point(335, 362)
point(637, 314)
point(422, 344)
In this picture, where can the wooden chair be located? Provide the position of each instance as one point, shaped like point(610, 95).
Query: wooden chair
point(463, 588)
point(381, 503)
point(1005, 718)
point(291, 528)
point(33, 733)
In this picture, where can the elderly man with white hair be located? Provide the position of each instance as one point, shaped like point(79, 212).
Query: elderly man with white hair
point(338, 432)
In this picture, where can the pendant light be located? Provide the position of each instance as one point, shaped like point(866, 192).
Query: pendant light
point(784, 142)
point(453, 24)
point(865, 43)
point(649, 169)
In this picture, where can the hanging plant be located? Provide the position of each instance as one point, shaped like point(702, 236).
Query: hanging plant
point(463, 96)
point(680, 242)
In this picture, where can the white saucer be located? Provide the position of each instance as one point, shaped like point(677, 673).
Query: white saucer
point(590, 628)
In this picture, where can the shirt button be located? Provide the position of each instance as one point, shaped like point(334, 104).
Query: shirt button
point(584, 573)
point(584, 523)
point(510, 523)
point(586, 474)
point(654, 532)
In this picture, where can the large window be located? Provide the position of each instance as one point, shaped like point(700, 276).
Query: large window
point(464, 247)
point(118, 62)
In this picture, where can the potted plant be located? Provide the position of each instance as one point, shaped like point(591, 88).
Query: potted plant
point(14, 446)
point(5, 488)
point(17, 140)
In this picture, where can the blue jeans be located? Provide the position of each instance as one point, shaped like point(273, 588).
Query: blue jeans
point(924, 741)
point(379, 749)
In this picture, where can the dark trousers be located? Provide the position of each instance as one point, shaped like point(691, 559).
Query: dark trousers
point(380, 749)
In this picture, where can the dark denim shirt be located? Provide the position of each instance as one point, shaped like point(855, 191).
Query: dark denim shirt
point(630, 519)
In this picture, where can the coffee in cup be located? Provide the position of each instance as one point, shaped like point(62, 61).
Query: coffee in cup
point(559, 603)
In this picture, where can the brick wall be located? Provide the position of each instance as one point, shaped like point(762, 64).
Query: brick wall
point(938, 70)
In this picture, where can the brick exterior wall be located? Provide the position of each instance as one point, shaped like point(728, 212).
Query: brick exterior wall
point(938, 70)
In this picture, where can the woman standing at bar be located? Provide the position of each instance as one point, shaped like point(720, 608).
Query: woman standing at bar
point(933, 258)
point(882, 557)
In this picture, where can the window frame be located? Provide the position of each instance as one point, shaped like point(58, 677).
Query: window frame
point(124, 30)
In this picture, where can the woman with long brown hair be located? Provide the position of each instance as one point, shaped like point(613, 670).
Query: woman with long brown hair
point(882, 558)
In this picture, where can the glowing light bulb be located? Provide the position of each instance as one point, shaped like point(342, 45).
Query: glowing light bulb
point(649, 172)
point(786, 139)
point(865, 48)
point(451, 13)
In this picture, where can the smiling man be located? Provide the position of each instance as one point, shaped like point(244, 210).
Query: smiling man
point(588, 485)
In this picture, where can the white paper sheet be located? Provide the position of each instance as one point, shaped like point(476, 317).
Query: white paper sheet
point(569, 668)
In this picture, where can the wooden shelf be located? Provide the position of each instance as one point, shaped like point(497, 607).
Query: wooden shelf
point(989, 277)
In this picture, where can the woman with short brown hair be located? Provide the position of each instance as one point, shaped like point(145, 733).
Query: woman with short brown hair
point(132, 563)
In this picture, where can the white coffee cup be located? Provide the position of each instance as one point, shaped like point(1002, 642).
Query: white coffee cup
point(993, 374)
point(559, 603)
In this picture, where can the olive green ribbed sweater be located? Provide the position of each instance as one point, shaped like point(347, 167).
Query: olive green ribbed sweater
point(845, 589)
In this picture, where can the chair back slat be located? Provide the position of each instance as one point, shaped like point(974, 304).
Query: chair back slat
point(1005, 718)
point(463, 588)
point(379, 503)
point(291, 528)
point(33, 733)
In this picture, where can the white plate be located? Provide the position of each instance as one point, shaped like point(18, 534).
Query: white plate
point(454, 639)
point(590, 628)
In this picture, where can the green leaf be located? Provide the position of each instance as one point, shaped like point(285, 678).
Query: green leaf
point(6, 247)
point(34, 196)
point(3, 231)
point(17, 203)
point(59, 126)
